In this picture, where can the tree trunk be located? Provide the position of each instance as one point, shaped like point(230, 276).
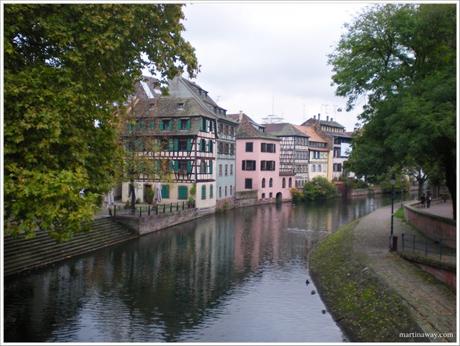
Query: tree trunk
point(132, 193)
point(451, 182)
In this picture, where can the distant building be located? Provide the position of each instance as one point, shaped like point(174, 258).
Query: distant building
point(341, 141)
point(294, 156)
point(178, 135)
point(319, 153)
point(258, 161)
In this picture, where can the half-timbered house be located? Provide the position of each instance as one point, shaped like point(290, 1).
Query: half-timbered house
point(177, 135)
point(294, 151)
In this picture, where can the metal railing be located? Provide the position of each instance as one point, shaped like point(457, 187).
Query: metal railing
point(435, 249)
point(151, 210)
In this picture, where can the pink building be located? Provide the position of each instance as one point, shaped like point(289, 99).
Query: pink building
point(258, 162)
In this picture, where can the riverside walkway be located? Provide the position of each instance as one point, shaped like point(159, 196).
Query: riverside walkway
point(431, 303)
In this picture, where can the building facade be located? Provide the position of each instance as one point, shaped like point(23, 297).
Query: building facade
point(225, 140)
point(258, 162)
point(172, 141)
point(319, 153)
point(294, 155)
point(341, 142)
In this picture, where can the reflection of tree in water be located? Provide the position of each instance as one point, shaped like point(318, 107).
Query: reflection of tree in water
point(38, 304)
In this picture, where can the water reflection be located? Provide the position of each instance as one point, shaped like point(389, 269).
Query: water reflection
point(238, 276)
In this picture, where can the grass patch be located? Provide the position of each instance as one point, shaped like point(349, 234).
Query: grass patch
point(365, 308)
point(399, 213)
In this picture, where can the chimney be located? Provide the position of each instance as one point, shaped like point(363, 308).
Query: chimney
point(241, 113)
point(332, 119)
point(314, 117)
point(319, 116)
point(327, 117)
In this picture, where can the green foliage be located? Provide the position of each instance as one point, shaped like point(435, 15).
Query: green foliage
point(66, 66)
point(399, 213)
point(319, 188)
point(149, 196)
point(297, 195)
point(403, 59)
point(353, 183)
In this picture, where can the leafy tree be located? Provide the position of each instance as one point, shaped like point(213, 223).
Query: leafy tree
point(403, 59)
point(66, 68)
point(319, 188)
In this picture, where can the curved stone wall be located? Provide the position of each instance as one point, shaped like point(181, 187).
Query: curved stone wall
point(433, 226)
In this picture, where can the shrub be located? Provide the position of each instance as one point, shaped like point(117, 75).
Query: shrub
point(319, 188)
point(296, 194)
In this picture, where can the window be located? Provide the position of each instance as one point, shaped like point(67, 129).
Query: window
point(263, 195)
point(226, 169)
point(220, 170)
point(202, 145)
point(165, 191)
point(231, 169)
point(267, 165)
point(268, 147)
point(271, 195)
point(225, 191)
point(270, 183)
point(151, 124)
point(220, 127)
point(204, 125)
point(249, 147)
point(232, 149)
point(182, 192)
point(184, 124)
point(203, 192)
point(203, 167)
point(284, 183)
point(248, 183)
point(180, 106)
point(211, 191)
point(183, 144)
point(248, 165)
point(231, 190)
point(220, 148)
point(319, 168)
point(263, 183)
point(165, 124)
point(313, 168)
point(220, 191)
point(290, 182)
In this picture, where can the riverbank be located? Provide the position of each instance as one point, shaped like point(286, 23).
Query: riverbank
point(375, 295)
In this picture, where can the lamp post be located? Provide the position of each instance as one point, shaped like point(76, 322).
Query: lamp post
point(392, 181)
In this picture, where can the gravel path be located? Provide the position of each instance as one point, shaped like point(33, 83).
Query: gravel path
point(432, 303)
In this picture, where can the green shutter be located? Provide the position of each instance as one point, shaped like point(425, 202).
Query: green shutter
point(203, 192)
point(183, 192)
point(189, 167)
point(188, 124)
point(171, 144)
point(210, 166)
point(210, 146)
point(162, 125)
point(165, 191)
point(151, 124)
point(176, 144)
point(189, 144)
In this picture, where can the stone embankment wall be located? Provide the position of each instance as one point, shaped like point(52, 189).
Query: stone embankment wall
point(21, 255)
point(434, 227)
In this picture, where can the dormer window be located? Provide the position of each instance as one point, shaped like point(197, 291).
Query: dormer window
point(180, 106)
point(165, 124)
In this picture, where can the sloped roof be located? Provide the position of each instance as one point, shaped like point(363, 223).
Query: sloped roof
point(284, 130)
point(176, 107)
point(247, 130)
point(323, 122)
point(311, 132)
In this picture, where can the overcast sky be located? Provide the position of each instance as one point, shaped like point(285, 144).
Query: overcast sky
point(265, 58)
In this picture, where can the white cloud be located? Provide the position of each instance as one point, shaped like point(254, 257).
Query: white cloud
point(252, 53)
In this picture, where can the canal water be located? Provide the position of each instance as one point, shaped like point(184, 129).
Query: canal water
point(238, 276)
